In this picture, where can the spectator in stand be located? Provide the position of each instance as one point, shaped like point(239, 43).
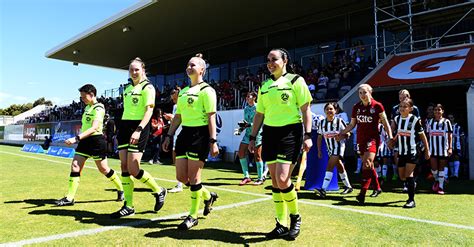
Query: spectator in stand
point(155, 138)
point(323, 81)
point(121, 90)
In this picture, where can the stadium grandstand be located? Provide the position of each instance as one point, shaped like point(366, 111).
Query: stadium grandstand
point(334, 45)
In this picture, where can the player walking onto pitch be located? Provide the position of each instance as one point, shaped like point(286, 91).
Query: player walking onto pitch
point(249, 113)
point(281, 98)
point(408, 126)
point(91, 145)
point(196, 112)
point(329, 128)
point(440, 132)
point(366, 115)
point(133, 133)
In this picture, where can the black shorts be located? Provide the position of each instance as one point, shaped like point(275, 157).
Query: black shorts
point(193, 143)
point(125, 131)
point(404, 159)
point(282, 144)
point(93, 147)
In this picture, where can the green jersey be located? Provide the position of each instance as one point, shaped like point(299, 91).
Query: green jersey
point(280, 100)
point(194, 103)
point(136, 99)
point(249, 114)
point(93, 113)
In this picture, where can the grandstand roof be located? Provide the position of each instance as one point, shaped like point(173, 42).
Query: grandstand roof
point(159, 31)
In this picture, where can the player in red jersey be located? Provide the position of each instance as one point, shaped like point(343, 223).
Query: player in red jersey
point(366, 115)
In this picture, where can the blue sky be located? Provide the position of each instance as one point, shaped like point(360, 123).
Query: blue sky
point(29, 28)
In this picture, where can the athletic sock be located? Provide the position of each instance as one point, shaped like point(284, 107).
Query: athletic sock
point(327, 180)
point(114, 178)
point(128, 185)
point(206, 195)
point(280, 207)
point(74, 179)
point(260, 169)
point(446, 172)
point(378, 169)
point(290, 196)
point(196, 194)
point(457, 164)
point(265, 170)
point(147, 179)
point(441, 179)
point(411, 188)
point(245, 167)
point(435, 175)
point(345, 179)
point(375, 179)
point(384, 170)
point(366, 180)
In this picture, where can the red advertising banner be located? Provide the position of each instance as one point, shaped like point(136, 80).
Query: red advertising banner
point(437, 65)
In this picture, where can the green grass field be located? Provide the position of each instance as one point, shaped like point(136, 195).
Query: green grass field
point(31, 182)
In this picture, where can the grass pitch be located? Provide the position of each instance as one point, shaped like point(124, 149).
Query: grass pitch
point(30, 183)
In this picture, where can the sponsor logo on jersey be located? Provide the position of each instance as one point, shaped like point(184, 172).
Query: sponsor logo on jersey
point(364, 119)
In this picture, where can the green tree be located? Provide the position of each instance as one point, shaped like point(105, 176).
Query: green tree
point(16, 109)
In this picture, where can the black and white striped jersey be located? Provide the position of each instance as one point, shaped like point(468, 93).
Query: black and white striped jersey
point(457, 133)
point(329, 130)
point(407, 130)
point(384, 150)
point(438, 136)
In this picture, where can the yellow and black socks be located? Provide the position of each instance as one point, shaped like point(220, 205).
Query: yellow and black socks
point(196, 195)
point(74, 178)
point(280, 207)
point(114, 178)
point(291, 198)
point(147, 179)
point(128, 186)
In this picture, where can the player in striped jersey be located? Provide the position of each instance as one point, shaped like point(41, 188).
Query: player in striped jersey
point(330, 128)
point(408, 126)
point(440, 133)
point(385, 153)
point(458, 140)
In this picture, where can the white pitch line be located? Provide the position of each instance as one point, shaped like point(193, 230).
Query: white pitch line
point(393, 216)
point(128, 224)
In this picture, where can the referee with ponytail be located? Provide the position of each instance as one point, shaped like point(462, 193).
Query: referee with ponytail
point(281, 98)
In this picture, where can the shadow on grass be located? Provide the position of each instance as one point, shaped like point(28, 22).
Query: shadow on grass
point(212, 234)
point(35, 202)
point(88, 217)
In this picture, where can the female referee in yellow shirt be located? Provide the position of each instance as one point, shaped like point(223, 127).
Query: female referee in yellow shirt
point(281, 98)
point(196, 112)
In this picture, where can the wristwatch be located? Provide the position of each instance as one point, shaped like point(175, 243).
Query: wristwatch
point(78, 138)
point(212, 140)
point(308, 134)
point(139, 128)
